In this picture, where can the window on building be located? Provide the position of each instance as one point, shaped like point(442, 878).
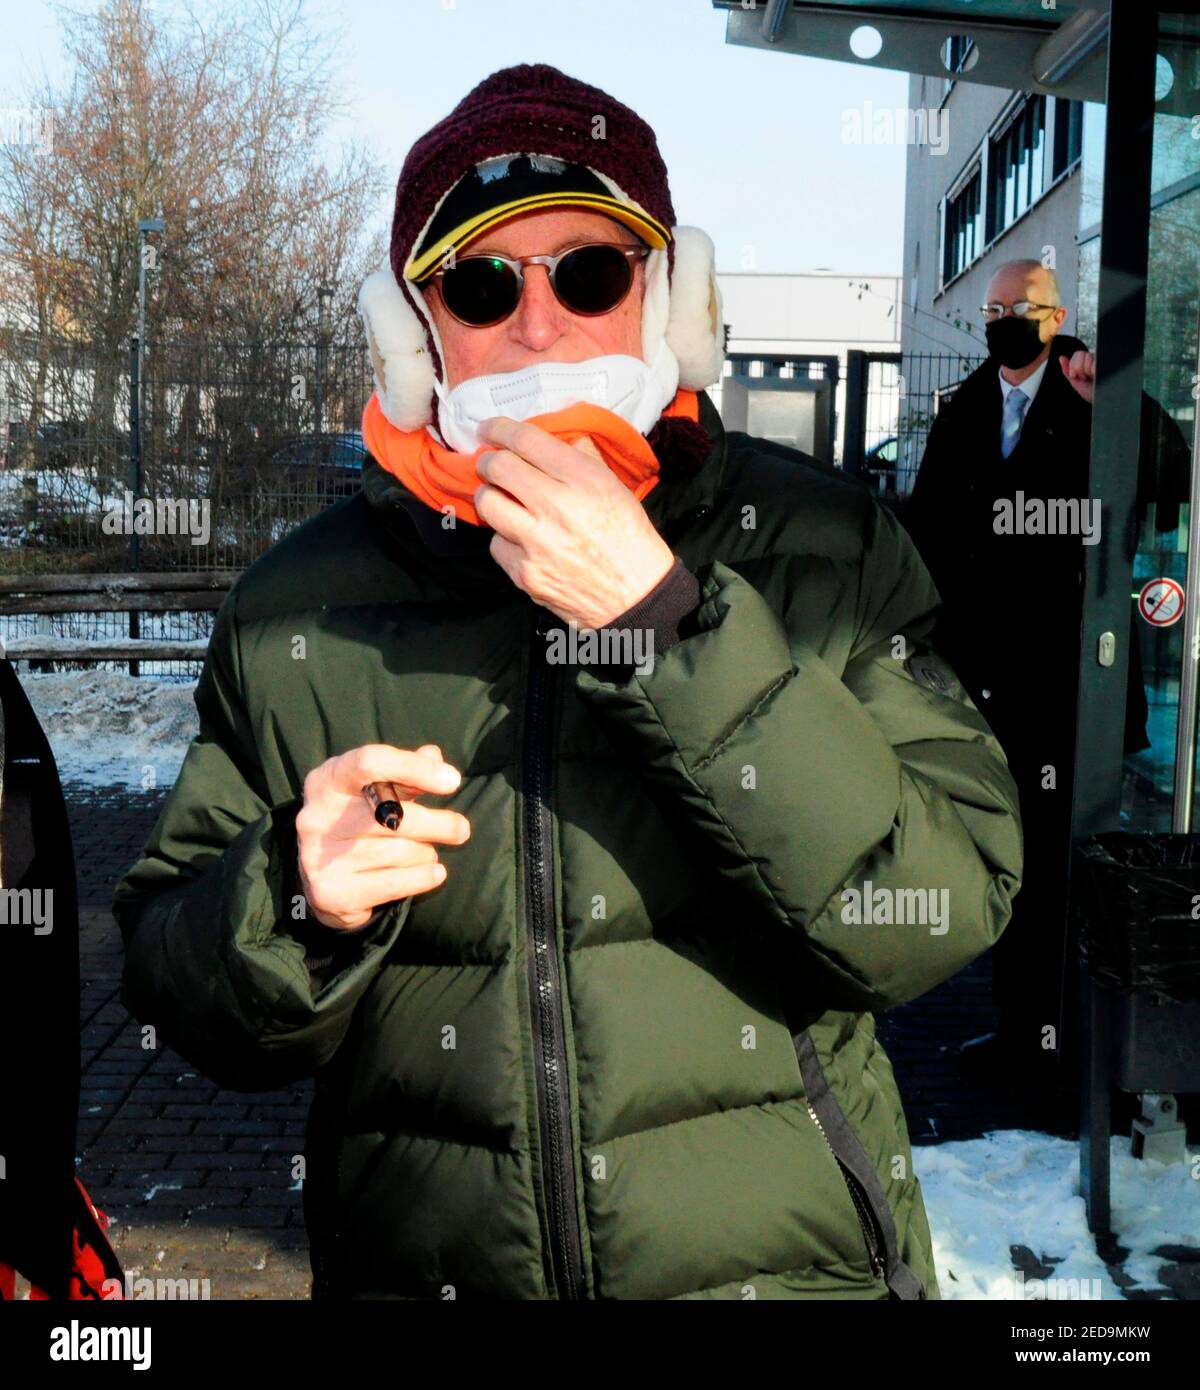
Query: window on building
point(1068, 134)
point(964, 227)
point(1016, 160)
point(957, 51)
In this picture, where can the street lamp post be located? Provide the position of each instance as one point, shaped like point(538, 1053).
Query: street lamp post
point(147, 224)
point(136, 398)
point(324, 295)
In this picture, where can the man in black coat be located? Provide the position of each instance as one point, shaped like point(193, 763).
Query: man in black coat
point(1000, 513)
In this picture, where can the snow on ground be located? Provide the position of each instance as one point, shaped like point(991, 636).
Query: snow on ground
point(107, 728)
point(1019, 1187)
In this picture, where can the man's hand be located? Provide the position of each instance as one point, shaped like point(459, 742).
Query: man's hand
point(568, 532)
point(1080, 370)
point(349, 863)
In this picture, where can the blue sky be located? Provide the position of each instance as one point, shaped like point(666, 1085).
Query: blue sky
point(752, 141)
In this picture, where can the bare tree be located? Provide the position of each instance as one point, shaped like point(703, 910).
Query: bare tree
point(215, 124)
point(214, 119)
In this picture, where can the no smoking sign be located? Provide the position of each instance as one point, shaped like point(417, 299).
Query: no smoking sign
point(1161, 602)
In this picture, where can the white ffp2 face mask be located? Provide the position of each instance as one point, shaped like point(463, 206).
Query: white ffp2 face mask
point(629, 387)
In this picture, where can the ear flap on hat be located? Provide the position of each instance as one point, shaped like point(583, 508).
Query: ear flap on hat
point(400, 356)
point(695, 328)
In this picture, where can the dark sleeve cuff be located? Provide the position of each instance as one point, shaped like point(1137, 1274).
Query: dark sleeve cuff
point(675, 595)
point(661, 613)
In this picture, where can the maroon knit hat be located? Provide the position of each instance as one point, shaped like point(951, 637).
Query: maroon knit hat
point(531, 137)
point(531, 108)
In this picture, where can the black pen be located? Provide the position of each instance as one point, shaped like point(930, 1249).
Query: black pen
point(383, 798)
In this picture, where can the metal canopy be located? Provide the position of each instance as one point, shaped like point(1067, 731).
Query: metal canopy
point(1018, 44)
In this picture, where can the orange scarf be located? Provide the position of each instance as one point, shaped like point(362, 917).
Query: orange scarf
point(440, 477)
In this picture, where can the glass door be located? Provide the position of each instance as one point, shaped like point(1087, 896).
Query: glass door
point(1164, 611)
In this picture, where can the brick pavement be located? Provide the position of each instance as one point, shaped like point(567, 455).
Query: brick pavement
point(197, 1180)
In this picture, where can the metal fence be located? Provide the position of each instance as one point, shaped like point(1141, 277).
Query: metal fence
point(228, 424)
point(925, 382)
point(891, 402)
point(241, 442)
point(245, 441)
point(880, 407)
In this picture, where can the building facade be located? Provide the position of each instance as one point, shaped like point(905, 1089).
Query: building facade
point(1004, 184)
point(806, 324)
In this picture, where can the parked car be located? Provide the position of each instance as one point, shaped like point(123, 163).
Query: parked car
point(16, 438)
point(333, 462)
point(62, 444)
point(196, 451)
point(286, 478)
point(879, 464)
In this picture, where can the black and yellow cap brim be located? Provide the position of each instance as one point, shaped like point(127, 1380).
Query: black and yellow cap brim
point(652, 232)
point(477, 205)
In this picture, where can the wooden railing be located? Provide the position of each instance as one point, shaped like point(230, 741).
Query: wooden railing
point(169, 592)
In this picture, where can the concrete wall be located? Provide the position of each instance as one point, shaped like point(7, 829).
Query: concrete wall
point(818, 314)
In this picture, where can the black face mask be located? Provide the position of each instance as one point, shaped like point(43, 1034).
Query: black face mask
point(1013, 342)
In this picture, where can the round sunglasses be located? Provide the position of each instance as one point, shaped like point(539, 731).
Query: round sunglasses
point(480, 291)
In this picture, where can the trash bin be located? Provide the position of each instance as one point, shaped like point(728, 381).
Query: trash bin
point(1135, 905)
point(1137, 909)
point(1138, 912)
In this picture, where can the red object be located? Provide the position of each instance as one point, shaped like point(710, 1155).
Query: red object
point(1161, 602)
point(94, 1262)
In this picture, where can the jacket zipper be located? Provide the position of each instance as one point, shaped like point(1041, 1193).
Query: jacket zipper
point(545, 990)
point(864, 1218)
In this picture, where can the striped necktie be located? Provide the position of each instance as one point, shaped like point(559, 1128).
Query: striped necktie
point(1014, 415)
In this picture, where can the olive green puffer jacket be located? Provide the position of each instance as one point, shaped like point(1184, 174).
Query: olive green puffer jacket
point(627, 1049)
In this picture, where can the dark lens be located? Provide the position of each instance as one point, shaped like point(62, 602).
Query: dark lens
point(480, 290)
point(593, 279)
